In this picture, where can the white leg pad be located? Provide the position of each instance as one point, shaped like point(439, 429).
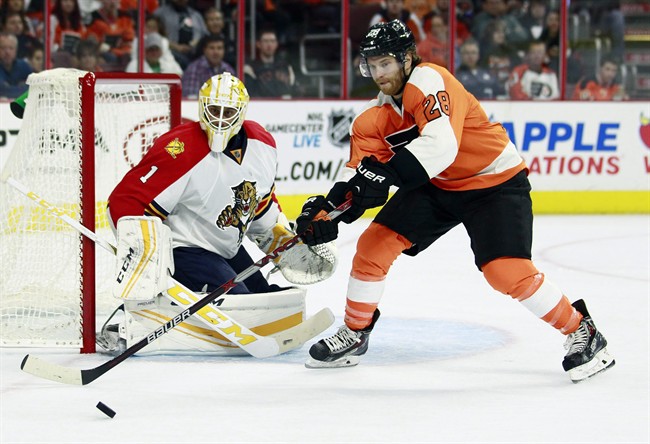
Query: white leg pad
point(264, 314)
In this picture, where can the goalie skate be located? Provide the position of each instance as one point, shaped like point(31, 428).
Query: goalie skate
point(587, 354)
point(109, 338)
point(343, 349)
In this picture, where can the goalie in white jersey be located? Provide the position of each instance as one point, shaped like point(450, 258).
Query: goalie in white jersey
point(185, 209)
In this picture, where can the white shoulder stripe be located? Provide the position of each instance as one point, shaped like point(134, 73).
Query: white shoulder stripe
point(509, 158)
point(427, 80)
point(437, 147)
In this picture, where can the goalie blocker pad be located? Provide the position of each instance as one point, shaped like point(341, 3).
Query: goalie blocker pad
point(263, 313)
point(302, 264)
point(144, 256)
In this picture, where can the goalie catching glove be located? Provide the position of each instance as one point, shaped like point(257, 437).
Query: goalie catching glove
point(301, 264)
point(144, 257)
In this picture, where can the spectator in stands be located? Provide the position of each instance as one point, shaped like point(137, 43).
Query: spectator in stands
point(214, 21)
point(13, 71)
point(515, 33)
point(154, 25)
point(209, 64)
point(17, 6)
point(114, 30)
point(435, 47)
point(517, 8)
point(33, 10)
point(464, 17)
point(533, 79)
point(268, 75)
point(609, 23)
point(36, 58)
point(185, 28)
point(66, 26)
point(14, 23)
point(551, 37)
point(535, 19)
point(215, 24)
point(88, 56)
point(478, 81)
point(275, 14)
point(131, 6)
point(395, 10)
point(602, 85)
point(420, 8)
point(497, 54)
point(153, 61)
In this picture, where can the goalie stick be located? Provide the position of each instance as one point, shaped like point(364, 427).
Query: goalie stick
point(256, 345)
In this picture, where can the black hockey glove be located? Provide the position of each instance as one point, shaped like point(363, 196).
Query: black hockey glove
point(370, 185)
point(312, 225)
point(339, 193)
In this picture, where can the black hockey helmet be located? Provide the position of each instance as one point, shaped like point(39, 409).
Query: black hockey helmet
point(393, 38)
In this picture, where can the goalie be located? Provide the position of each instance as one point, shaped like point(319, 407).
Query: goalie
point(185, 210)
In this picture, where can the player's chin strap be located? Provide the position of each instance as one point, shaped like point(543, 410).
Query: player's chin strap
point(256, 345)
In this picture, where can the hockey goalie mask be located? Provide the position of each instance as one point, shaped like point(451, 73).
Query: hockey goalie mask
point(223, 101)
point(393, 38)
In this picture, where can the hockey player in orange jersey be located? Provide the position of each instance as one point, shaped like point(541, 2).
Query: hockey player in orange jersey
point(425, 134)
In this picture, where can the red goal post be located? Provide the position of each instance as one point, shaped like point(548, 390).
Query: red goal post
point(81, 132)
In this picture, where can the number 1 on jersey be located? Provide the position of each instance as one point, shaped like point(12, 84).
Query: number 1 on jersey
point(151, 172)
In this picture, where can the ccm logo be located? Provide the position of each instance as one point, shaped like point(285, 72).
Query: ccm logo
point(373, 177)
point(125, 265)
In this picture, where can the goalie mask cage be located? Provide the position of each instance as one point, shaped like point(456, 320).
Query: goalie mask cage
point(81, 132)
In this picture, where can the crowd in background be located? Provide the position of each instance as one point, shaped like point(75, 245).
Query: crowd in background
point(505, 49)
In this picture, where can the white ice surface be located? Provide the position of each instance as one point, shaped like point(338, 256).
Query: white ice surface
point(450, 360)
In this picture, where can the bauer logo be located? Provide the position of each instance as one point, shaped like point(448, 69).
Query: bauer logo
point(168, 326)
point(338, 123)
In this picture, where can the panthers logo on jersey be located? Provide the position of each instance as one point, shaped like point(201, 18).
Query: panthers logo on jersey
point(175, 147)
point(240, 215)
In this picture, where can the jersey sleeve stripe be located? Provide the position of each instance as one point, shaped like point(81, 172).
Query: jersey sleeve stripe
point(153, 209)
point(265, 204)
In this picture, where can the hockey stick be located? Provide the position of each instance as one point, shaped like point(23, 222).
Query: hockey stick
point(258, 346)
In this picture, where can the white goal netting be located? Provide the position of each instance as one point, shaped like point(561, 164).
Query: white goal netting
point(41, 257)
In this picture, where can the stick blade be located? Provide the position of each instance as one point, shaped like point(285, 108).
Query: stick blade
point(296, 336)
point(53, 372)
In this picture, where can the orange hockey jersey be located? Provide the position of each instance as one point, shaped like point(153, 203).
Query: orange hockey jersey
point(443, 126)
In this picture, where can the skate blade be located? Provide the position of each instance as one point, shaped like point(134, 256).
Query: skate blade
point(348, 361)
point(601, 362)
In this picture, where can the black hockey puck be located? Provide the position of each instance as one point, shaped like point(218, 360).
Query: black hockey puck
point(106, 410)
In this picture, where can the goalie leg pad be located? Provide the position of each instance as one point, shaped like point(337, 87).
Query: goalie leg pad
point(144, 257)
point(263, 313)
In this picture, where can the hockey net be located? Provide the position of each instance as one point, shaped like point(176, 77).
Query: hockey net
point(81, 132)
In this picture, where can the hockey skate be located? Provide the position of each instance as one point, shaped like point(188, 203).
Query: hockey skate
point(587, 354)
point(343, 349)
point(109, 337)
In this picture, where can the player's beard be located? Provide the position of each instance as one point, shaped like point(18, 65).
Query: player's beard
point(393, 85)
